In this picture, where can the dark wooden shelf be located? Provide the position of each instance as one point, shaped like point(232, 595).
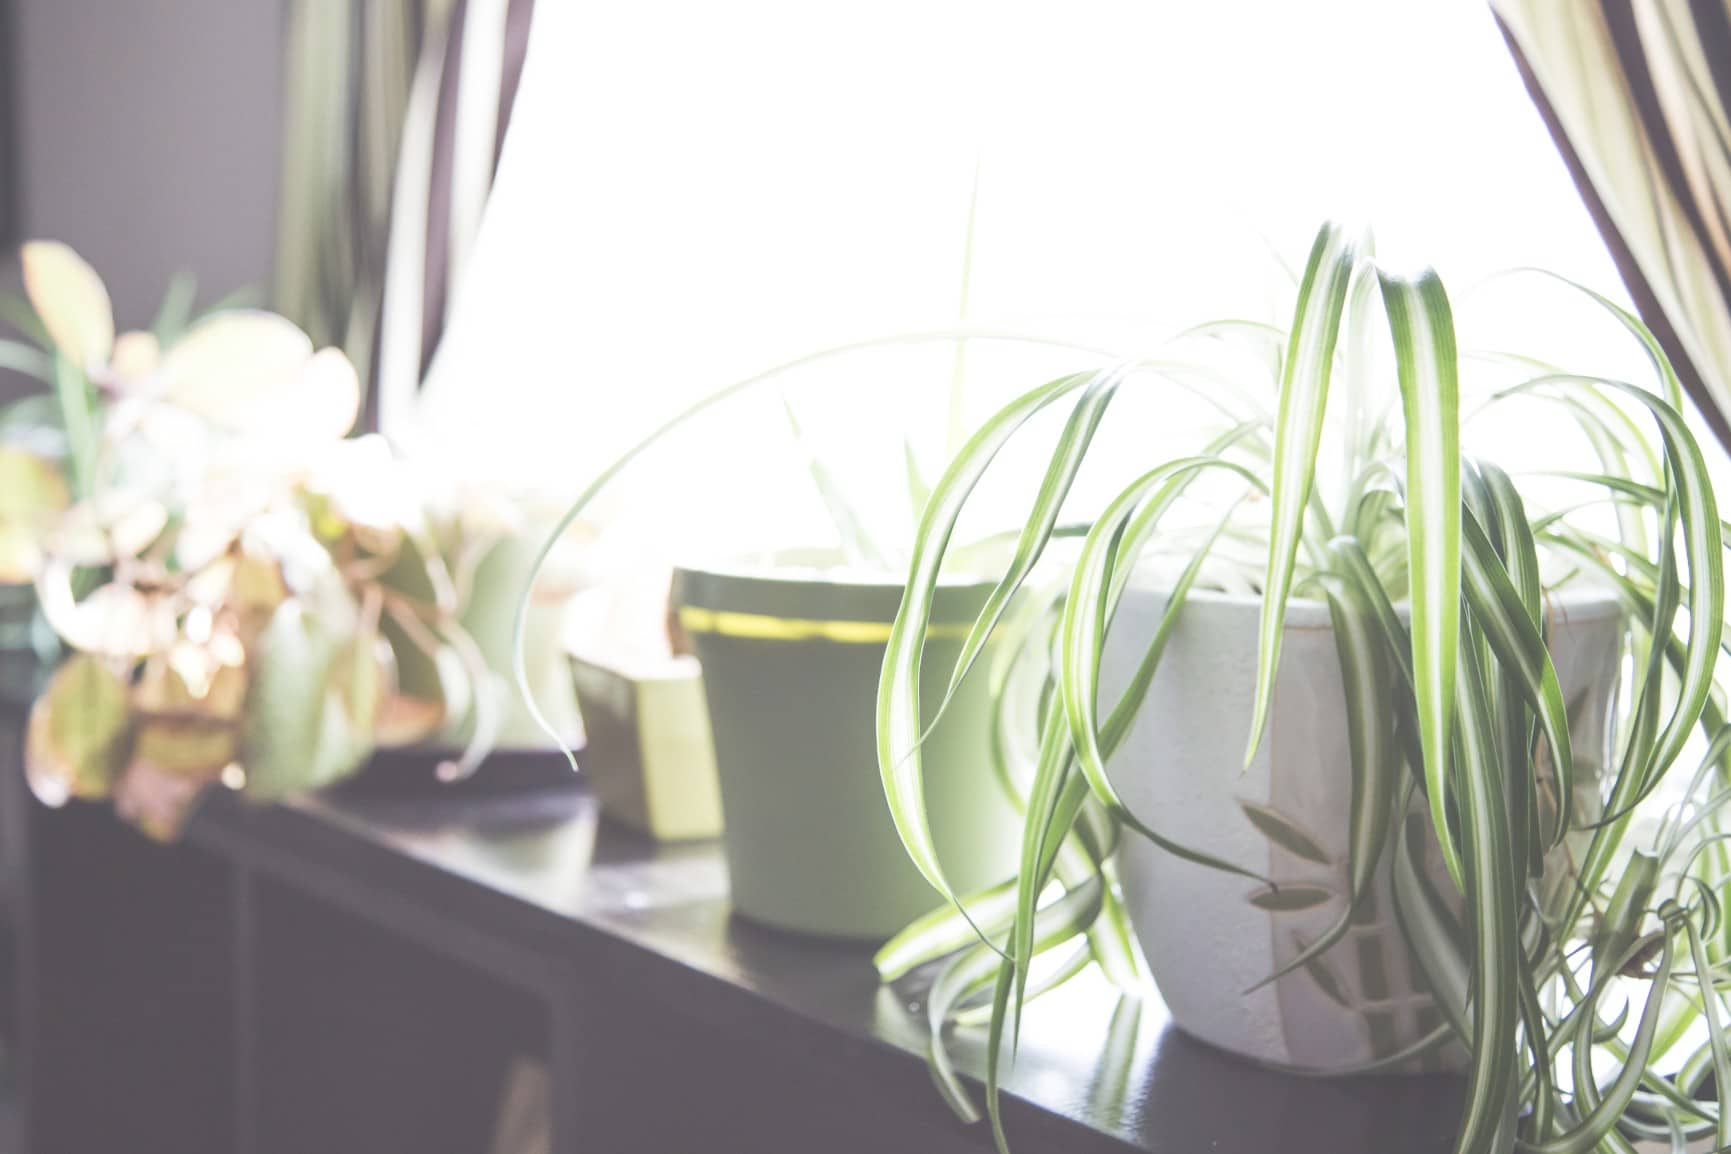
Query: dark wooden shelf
point(542, 877)
point(469, 929)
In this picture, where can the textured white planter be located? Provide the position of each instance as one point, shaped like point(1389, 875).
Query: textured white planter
point(1180, 770)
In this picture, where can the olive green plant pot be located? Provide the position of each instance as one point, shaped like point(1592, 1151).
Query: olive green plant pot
point(790, 671)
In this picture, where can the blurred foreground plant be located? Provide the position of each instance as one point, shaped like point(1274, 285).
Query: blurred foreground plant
point(248, 596)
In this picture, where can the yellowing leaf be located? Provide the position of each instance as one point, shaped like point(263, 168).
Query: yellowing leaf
point(187, 727)
point(20, 554)
point(255, 372)
point(71, 302)
point(46, 772)
point(185, 747)
point(136, 356)
point(316, 406)
point(327, 399)
point(89, 707)
point(258, 585)
point(77, 733)
point(30, 486)
point(226, 362)
point(217, 693)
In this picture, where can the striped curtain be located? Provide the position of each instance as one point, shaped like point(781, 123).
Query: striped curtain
point(346, 68)
point(1635, 93)
point(394, 111)
point(458, 107)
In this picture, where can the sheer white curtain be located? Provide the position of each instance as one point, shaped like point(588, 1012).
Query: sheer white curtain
point(691, 192)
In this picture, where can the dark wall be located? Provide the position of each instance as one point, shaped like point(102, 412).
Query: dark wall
point(8, 134)
point(147, 137)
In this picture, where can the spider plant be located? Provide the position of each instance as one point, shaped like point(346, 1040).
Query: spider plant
point(1591, 1021)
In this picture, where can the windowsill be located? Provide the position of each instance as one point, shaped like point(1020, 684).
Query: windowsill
point(540, 876)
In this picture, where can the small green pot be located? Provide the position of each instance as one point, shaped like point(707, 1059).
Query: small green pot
point(790, 672)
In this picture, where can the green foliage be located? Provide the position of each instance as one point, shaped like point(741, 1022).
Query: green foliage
point(1454, 707)
point(1456, 702)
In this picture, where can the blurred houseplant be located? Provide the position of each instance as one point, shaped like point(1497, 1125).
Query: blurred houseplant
point(246, 596)
point(789, 652)
point(32, 494)
point(1513, 823)
point(490, 544)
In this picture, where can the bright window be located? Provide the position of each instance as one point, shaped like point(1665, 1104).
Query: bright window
point(782, 177)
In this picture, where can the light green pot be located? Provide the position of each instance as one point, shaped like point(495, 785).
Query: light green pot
point(790, 672)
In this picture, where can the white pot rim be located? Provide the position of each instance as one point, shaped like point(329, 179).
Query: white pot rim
point(1576, 602)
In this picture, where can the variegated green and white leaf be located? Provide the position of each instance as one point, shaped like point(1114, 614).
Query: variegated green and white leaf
point(946, 930)
point(1423, 329)
point(1305, 373)
point(1061, 472)
point(1061, 922)
point(1492, 877)
point(1499, 609)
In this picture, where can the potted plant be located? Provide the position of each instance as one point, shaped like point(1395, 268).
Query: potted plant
point(790, 645)
point(1382, 804)
point(790, 653)
point(242, 592)
point(463, 557)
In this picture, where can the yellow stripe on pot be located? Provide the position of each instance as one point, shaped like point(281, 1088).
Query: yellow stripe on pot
point(761, 627)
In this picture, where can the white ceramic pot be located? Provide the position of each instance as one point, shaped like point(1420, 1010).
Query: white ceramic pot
point(1180, 770)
